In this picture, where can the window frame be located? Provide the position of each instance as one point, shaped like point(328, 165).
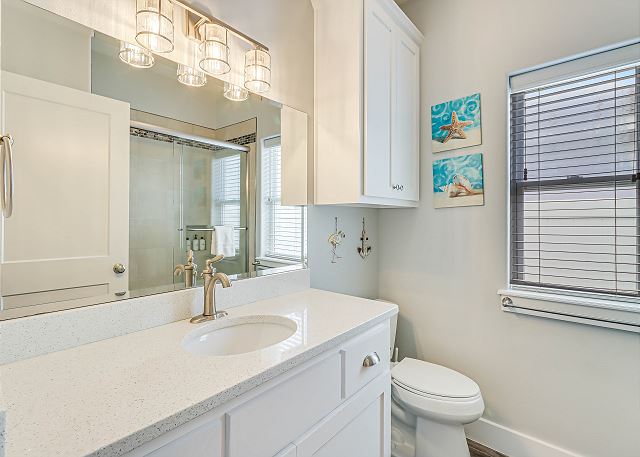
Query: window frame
point(586, 307)
point(275, 260)
point(219, 205)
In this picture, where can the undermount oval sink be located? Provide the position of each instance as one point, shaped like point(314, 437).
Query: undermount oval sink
point(238, 335)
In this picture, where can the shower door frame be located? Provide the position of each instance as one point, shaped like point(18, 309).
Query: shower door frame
point(194, 132)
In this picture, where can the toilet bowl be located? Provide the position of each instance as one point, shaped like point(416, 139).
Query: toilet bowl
point(430, 406)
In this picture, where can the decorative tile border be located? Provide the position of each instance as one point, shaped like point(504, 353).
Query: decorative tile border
point(142, 133)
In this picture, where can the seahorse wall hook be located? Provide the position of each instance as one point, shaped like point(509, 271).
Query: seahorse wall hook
point(334, 240)
point(364, 249)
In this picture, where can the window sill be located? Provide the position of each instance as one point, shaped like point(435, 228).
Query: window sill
point(614, 314)
point(275, 262)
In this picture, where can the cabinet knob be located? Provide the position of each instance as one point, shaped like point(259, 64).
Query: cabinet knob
point(371, 360)
point(118, 268)
point(398, 187)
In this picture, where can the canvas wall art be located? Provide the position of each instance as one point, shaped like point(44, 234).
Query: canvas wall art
point(456, 124)
point(458, 181)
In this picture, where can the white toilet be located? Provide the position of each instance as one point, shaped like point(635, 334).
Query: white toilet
point(430, 405)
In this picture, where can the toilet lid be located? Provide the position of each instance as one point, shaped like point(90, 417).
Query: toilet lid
point(433, 379)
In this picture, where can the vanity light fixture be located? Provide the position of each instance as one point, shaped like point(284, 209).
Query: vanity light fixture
point(191, 75)
point(154, 25)
point(257, 70)
point(235, 93)
point(135, 55)
point(214, 49)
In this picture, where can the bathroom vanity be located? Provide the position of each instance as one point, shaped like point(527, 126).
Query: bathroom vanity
point(150, 393)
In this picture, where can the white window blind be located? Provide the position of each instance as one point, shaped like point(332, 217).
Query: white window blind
point(225, 171)
point(284, 228)
point(574, 189)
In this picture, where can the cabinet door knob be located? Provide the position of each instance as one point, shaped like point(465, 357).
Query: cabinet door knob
point(118, 268)
point(371, 360)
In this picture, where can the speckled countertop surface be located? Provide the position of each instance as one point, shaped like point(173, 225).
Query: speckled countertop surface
point(108, 397)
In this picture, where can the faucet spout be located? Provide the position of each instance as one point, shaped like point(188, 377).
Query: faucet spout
point(210, 281)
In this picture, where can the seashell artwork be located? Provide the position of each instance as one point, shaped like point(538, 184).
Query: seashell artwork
point(458, 181)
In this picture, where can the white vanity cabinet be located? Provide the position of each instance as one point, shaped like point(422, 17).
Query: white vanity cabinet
point(367, 95)
point(331, 406)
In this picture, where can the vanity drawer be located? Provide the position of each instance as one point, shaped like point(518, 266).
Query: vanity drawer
point(372, 343)
point(267, 423)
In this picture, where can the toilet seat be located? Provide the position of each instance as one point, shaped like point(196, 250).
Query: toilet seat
point(433, 380)
point(435, 392)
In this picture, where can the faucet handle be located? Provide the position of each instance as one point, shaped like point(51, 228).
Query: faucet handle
point(217, 258)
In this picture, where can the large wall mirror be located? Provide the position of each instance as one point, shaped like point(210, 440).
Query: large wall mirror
point(130, 171)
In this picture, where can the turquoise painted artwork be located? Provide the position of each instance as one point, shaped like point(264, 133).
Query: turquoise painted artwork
point(456, 124)
point(458, 181)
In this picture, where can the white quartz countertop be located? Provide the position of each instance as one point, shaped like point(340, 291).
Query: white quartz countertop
point(108, 397)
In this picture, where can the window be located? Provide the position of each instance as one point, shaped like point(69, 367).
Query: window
point(574, 187)
point(225, 170)
point(284, 228)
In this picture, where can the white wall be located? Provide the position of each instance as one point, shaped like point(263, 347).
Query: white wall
point(45, 46)
point(574, 386)
point(351, 274)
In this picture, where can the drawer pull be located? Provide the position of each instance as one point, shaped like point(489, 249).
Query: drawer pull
point(371, 360)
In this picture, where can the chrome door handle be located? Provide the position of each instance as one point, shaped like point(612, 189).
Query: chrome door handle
point(118, 268)
point(371, 360)
point(6, 189)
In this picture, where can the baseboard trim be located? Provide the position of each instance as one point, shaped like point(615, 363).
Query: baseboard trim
point(511, 442)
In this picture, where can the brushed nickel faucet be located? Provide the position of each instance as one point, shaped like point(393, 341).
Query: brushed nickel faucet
point(211, 278)
point(189, 269)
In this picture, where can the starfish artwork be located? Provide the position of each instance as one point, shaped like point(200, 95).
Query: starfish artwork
point(456, 128)
point(458, 120)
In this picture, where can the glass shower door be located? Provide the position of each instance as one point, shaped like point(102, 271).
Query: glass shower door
point(214, 193)
point(153, 212)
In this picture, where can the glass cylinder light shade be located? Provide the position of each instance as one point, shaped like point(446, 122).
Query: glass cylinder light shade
point(235, 93)
point(214, 49)
point(190, 76)
point(135, 55)
point(154, 25)
point(257, 70)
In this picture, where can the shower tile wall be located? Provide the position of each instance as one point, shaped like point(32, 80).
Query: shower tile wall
point(154, 216)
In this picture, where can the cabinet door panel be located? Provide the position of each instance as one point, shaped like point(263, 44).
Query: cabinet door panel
point(378, 80)
point(281, 414)
point(405, 152)
point(71, 202)
point(359, 427)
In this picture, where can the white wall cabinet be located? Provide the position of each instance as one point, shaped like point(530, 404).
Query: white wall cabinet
point(367, 93)
point(331, 406)
point(71, 203)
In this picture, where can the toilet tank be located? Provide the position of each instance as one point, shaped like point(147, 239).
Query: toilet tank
point(394, 326)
